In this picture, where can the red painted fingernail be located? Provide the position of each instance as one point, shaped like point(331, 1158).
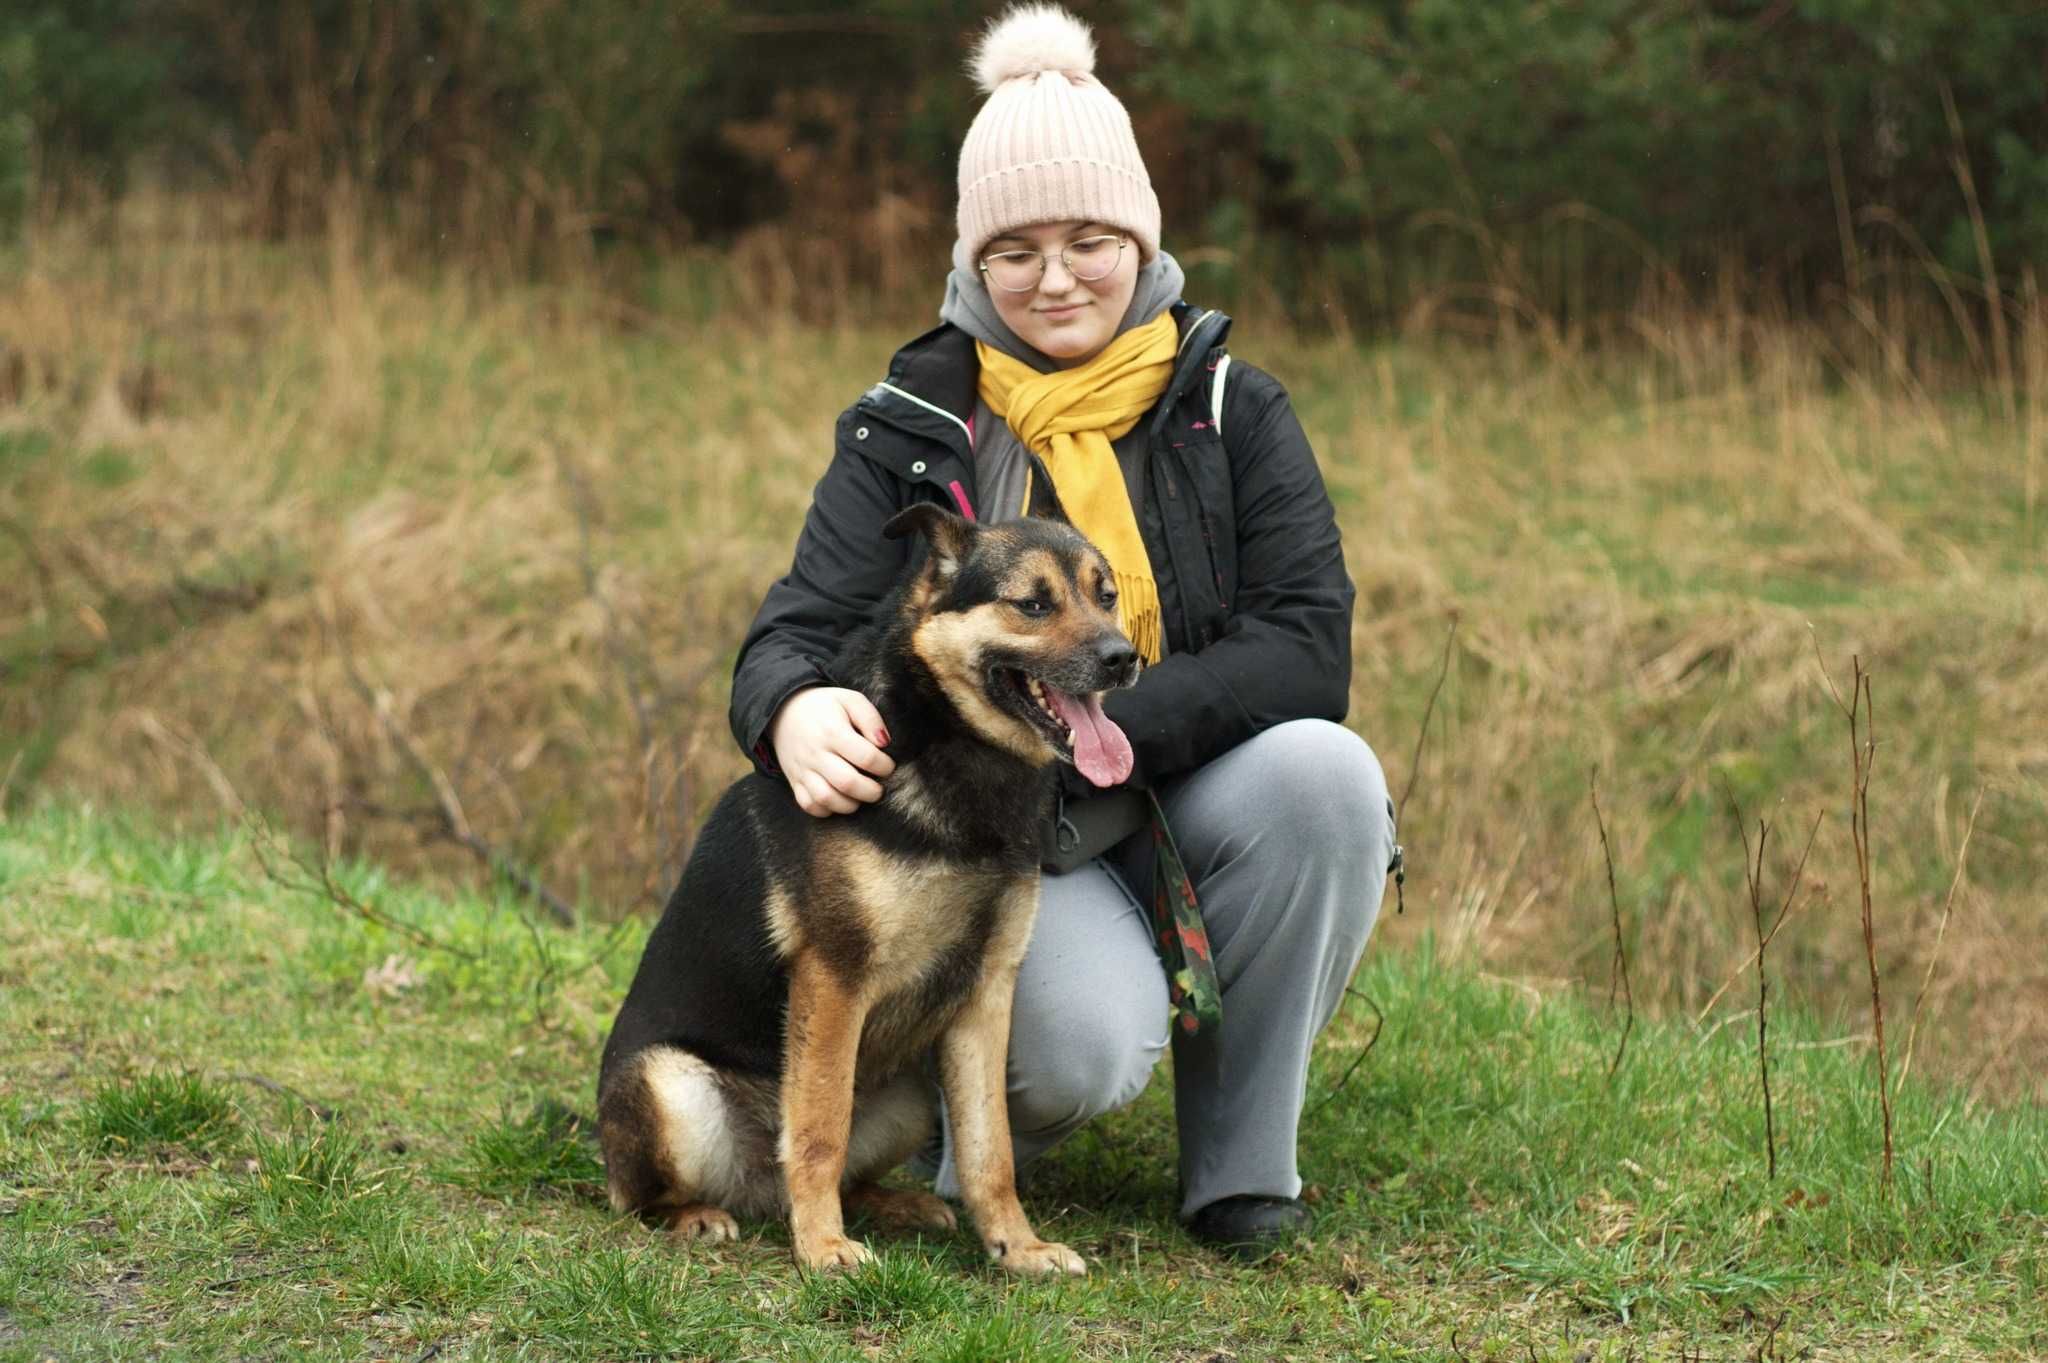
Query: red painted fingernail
point(885, 738)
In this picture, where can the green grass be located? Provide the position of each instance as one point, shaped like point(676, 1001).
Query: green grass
point(156, 1111)
point(535, 1154)
point(312, 1174)
point(1482, 1186)
point(108, 467)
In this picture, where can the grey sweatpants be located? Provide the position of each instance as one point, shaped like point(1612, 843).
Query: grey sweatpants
point(1287, 838)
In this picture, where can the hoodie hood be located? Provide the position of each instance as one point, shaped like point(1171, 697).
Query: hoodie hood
point(969, 307)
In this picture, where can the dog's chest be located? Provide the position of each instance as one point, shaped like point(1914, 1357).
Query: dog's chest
point(928, 921)
point(917, 934)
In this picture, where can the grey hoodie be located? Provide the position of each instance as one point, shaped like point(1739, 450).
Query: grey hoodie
point(968, 307)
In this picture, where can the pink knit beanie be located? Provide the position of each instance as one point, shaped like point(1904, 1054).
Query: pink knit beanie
point(1052, 144)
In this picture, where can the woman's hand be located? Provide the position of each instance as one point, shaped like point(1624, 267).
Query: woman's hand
point(828, 741)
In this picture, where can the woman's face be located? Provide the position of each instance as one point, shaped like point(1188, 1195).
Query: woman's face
point(1068, 320)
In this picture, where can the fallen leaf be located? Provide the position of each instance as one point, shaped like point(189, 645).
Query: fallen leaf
point(392, 978)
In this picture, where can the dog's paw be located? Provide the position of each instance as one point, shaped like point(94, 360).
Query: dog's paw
point(901, 1208)
point(703, 1222)
point(1037, 1256)
point(831, 1253)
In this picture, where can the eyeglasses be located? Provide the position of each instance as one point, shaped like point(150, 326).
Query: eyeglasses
point(1089, 259)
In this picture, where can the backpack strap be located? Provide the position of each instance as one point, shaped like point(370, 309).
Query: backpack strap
point(1216, 394)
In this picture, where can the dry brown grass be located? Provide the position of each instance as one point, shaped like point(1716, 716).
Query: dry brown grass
point(538, 519)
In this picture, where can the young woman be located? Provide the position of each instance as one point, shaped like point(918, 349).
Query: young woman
point(1067, 377)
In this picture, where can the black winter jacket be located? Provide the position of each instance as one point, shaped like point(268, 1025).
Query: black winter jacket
point(1243, 540)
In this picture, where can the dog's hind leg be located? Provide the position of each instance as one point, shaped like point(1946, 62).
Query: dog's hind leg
point(822, 1045)
point(900, 1208)
point(669, 1148)
point(702, 1221)
point(889, 1125)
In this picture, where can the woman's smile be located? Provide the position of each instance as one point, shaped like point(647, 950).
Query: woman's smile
point(1067, 318)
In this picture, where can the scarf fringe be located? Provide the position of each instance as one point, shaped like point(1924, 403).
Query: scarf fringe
point(1138, 614)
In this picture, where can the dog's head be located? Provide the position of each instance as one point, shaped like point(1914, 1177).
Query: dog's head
point(1017, 622)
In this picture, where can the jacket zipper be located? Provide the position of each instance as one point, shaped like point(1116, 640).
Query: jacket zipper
point(965, 434)
point(1163, 460)
point(1209, 629)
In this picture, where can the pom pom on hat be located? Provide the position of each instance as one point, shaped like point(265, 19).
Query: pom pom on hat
point(1047, 150)
point(1030, 39)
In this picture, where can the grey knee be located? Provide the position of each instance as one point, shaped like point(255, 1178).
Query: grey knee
point(1095, 1057)
point(1323, 782)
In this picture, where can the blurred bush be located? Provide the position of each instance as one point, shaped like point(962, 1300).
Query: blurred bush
point(1376, 149)
point(17, 171)
point(92, 79)
point(1565, 140)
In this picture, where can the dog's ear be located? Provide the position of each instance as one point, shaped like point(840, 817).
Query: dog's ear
point(948, 534)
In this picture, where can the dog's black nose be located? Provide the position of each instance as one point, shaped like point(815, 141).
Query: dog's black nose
point(1118, 658)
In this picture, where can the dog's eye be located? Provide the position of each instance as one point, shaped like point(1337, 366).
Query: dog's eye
point(1033, 606)
point(1107, 598)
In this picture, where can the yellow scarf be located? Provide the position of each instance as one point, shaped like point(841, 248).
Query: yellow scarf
point(1068, 417)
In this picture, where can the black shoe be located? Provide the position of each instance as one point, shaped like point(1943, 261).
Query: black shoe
point(1249, 1227)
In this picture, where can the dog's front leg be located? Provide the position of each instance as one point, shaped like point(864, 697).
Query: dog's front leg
point(822, 1044)
point(973, 1055)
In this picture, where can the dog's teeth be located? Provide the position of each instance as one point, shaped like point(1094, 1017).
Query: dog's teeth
point(1038, 693)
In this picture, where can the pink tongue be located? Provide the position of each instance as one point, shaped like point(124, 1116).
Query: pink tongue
point(1100, 749)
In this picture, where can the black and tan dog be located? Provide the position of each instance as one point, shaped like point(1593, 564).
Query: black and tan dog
point(770, 1055)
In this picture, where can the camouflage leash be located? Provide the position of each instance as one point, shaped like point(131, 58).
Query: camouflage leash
point(1180, 937)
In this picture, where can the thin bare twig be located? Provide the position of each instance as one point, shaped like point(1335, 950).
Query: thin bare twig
point(1798, 873)
point(664, 774)
point(319, 882)
point(320, 1110)
point(1379, 1025)
point(1861, 711)
point(1784, 912)
point(1753, 873)
point(1767, 1352)
point(549, 975)
point(1865, 758)
point(1415, 766)
point(170, 735)
point(586, 561)
point(1753, 876)
point(2001, 345)
point(1947, 907)
point(1422, 733)
point(7, 782)
point(46, 579)
point(455, 823)
point(270, 849)
point(1620, 949)
point(294, 1267)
